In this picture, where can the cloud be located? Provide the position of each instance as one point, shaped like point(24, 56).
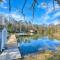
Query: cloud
point(3, 4)
point(55, 18)
point(4, 1)
point(56, 14)
point(56, 22)
point(42, 5)
point(17, 17)
point(57, 6)
point(45, 17)
point(5, 7)
point(49, 7)
point(50, 14)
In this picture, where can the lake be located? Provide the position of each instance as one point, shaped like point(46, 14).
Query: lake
point(29, 45)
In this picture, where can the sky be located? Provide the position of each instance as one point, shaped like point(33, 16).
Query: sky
point(44, 11)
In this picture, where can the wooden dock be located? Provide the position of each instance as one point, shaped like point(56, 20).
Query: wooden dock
point(12, 51)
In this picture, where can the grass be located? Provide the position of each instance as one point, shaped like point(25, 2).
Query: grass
point(47, 55)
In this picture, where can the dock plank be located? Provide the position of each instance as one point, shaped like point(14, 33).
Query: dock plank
point(12, 51)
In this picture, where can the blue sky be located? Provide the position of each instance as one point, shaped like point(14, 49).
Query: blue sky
point(44, 14)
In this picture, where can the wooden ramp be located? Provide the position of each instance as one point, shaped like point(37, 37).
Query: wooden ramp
point(12, 51)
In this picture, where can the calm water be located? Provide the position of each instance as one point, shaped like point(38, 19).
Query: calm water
point(32, 45)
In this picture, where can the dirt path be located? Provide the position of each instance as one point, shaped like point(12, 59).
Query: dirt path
point(12, 39)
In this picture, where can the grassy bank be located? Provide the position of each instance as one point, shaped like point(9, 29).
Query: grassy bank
point(47, 55)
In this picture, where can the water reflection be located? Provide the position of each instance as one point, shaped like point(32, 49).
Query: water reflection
point(28, 38)
point(37, 43)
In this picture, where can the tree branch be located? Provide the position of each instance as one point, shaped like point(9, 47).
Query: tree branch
point(9, 5)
